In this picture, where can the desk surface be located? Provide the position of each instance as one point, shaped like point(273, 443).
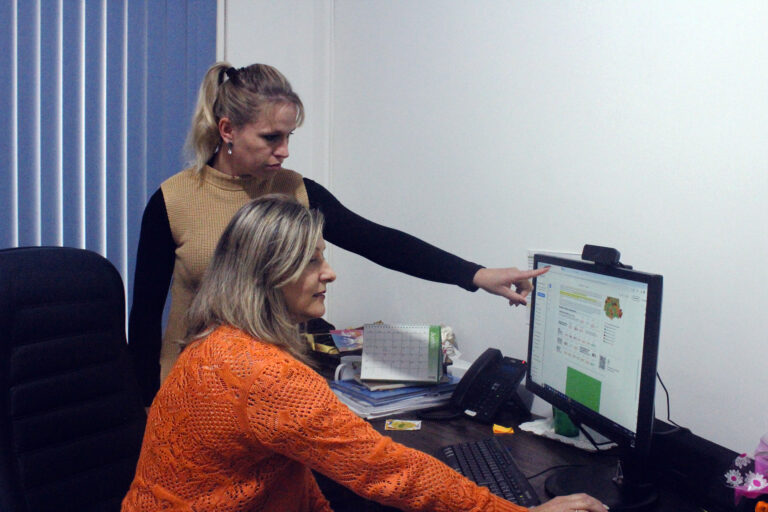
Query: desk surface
point(532, 454)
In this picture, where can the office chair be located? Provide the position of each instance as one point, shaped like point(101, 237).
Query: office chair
point(71, 416)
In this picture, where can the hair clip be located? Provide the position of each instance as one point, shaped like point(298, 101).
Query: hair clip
point(221, 76)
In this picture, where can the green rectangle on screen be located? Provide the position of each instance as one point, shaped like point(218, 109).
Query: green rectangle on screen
point(583, 388)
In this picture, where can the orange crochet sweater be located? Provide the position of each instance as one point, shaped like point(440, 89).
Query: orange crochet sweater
point(239, 423)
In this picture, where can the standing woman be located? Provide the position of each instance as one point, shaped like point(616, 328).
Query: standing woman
point(241, 421)
point(239, 140)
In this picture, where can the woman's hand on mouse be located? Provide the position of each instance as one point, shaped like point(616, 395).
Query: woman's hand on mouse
point(571, 503)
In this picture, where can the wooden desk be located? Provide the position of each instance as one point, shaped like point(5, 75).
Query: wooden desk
point(532, 454)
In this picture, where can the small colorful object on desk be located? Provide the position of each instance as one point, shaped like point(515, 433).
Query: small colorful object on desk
point(747, 479)
point(402, 425)
point(498, 429)
point(347, 339)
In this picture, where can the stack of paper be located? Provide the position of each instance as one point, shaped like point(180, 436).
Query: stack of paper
point(377, 404)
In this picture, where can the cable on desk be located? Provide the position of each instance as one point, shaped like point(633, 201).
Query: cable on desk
point(669, 419)
point(561, 466)
point(591, 439)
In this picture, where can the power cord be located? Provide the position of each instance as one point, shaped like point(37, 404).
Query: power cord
point(592, 440)
point(677, 428)
point(562, 466)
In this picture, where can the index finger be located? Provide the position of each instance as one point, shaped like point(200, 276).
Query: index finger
point(530, 274)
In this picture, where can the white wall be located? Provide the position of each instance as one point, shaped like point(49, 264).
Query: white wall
point(494, 127)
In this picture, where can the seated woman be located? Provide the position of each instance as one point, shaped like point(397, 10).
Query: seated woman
point(241, 420)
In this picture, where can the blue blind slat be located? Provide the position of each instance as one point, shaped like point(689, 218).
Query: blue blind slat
point(94, 127)
point(7, 128)
point(28, 123)
point(96, 117)
point(73, 121)
point(136, 112)
point(50, 125)
point(179, 113)
point(156, 136)
point(200, 31)
point(116, 135)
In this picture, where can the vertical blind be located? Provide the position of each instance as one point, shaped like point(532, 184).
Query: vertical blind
point(95, 102)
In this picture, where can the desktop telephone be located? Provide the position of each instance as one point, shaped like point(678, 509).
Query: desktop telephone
point(488, 384)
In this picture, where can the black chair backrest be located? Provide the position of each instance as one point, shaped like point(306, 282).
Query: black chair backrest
point(71, 417)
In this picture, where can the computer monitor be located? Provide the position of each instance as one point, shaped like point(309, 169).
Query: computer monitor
point(592, 352)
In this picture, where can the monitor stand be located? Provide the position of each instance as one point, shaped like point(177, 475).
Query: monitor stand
point(607, 484)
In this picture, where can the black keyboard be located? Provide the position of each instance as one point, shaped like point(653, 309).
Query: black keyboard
point(488, 463)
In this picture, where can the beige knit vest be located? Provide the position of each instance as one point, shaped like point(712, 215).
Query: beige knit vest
point(199, 207)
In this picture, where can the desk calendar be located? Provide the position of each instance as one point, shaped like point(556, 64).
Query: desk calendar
point(411, 353)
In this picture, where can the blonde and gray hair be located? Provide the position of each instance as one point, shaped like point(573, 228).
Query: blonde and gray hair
point(266, 245)
point(240, 94)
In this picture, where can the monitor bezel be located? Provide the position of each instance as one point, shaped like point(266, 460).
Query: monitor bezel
point(640, 442)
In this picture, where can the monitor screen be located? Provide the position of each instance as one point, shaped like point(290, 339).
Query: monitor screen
point(593, 346)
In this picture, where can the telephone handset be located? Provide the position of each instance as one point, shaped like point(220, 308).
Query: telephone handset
point(489, 383)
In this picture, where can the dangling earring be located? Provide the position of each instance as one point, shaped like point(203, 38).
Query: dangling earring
point(229, 148)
